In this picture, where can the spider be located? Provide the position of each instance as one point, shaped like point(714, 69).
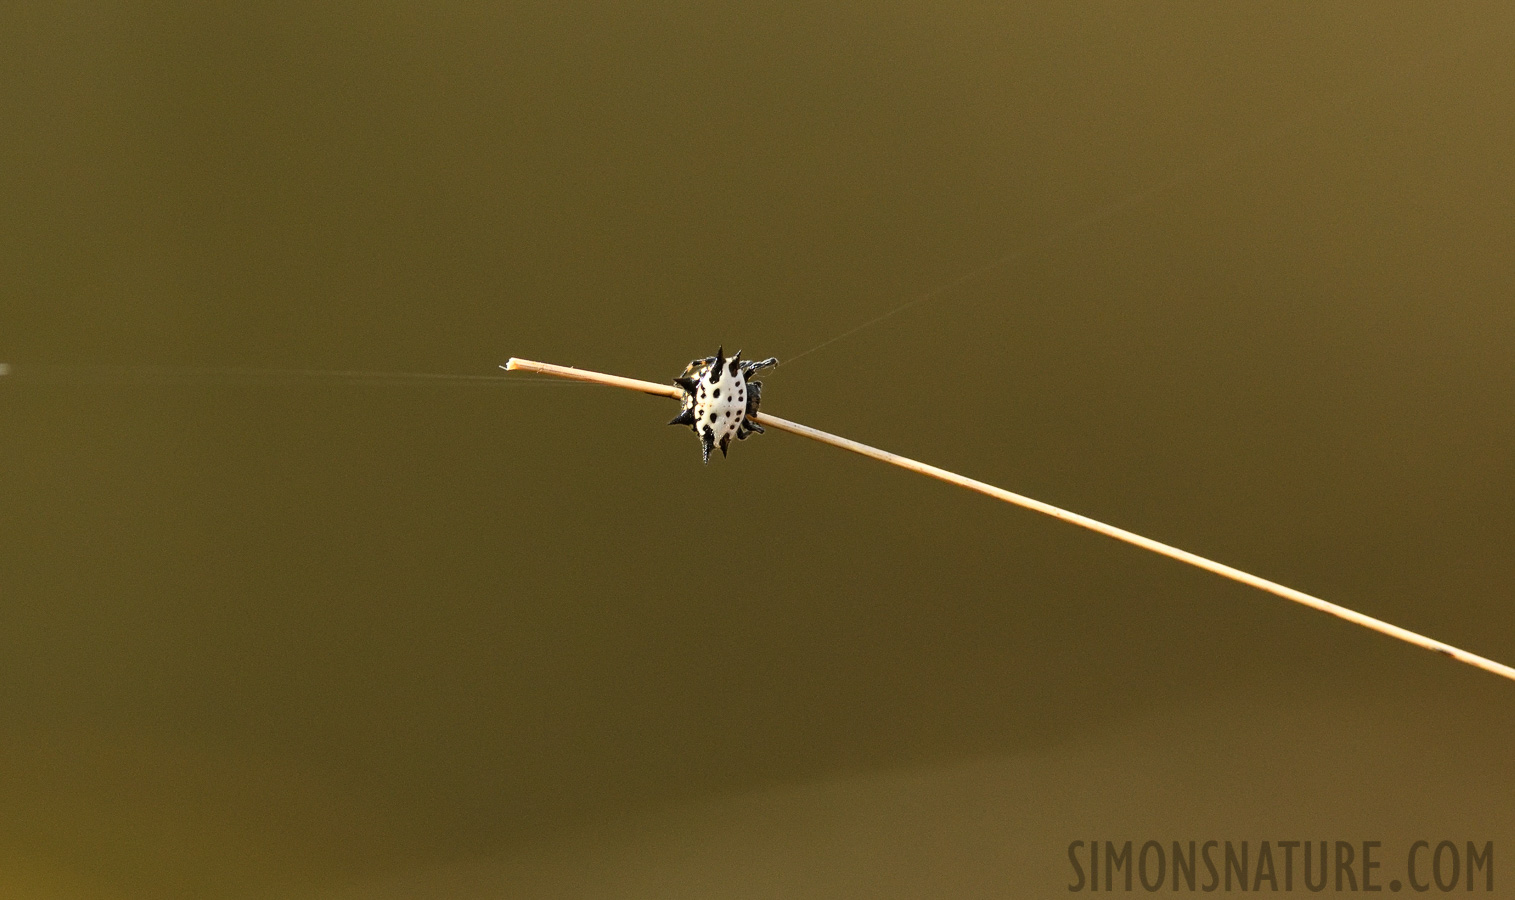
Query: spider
point(720, 400)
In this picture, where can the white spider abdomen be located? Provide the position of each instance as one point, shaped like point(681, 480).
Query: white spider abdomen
point(720, 399)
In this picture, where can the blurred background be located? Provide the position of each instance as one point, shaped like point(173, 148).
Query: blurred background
point(284, 635)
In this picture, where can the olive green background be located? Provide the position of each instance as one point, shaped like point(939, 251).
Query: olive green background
point(288, 636)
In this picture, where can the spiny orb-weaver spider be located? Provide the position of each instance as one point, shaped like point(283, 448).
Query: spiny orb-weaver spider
point(720, 399)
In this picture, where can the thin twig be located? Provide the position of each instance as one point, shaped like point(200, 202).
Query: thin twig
point(1120, 534)
point(635, 384)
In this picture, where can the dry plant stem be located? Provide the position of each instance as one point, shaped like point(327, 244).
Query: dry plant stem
point(541, 368)
point(1120, 534)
